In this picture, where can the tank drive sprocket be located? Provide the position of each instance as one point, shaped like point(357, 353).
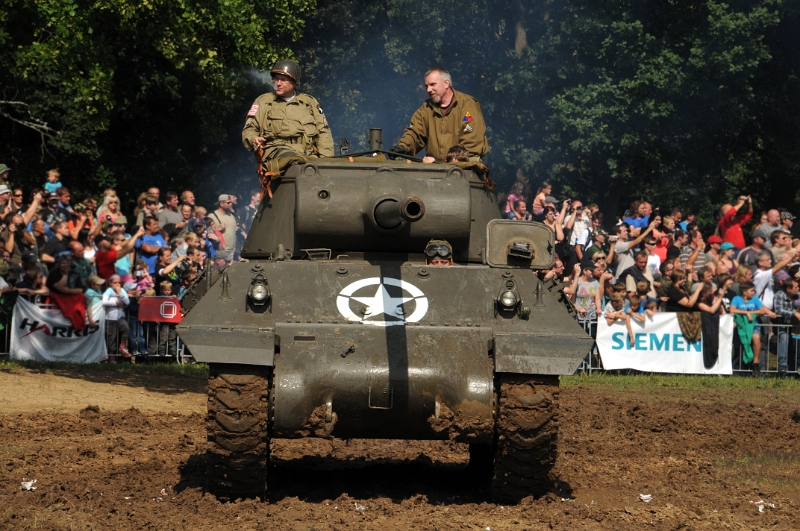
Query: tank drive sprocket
point(238, 440)
point(527, 432)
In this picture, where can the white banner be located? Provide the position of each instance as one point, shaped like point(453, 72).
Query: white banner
point(659, 346)
point(46, 335)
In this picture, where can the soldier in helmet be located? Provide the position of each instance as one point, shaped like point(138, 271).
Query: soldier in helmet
point(439, 253)
point(287, 123)
point(446, 119)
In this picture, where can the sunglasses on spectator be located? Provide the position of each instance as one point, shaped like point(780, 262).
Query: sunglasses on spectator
point(17, 195)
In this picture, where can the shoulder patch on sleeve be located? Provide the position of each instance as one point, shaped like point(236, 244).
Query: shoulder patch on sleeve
point(253, 110)
point(467, 128)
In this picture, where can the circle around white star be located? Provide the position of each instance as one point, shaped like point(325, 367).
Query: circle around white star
point(382, 302)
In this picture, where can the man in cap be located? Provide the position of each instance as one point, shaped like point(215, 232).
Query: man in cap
point(53, 213)
point(787, 220)
point(447, 118)
point(226, 225)
point(4, 171)
point(286, 123)
point(5, 199)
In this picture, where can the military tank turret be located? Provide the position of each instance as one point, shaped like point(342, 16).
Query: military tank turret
point(336, 327)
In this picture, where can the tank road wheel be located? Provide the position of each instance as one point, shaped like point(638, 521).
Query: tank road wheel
point(238, 442)
point(527, 429)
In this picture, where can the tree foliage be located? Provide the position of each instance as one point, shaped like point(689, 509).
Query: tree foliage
point(687, 103)
point(131, 91)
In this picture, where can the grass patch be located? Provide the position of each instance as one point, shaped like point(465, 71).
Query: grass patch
point(690, 382)
point(777, 468)
point(187, 370)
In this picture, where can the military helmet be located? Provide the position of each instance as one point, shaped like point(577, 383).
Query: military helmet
point(287, 67)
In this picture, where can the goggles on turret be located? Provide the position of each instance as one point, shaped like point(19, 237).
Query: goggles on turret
point(438, 249)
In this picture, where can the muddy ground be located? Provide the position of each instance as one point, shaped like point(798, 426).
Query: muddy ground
point(703, 455)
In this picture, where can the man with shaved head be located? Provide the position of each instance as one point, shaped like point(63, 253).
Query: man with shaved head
point(730, 226)
point(766, 229)
point(447, 118)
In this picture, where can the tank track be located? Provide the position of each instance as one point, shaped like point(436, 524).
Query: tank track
point(527, 432)
point(238, 441)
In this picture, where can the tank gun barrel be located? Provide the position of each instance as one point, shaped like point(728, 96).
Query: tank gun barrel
point(391, 212)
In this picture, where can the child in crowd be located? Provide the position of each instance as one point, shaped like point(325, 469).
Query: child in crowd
point(745, 308)
point(142, 277)
point(53, 183)
point(164, 341)
point(514, 196)
point(519, 212)
point(115, 300)
point(541, 196)
point(615, 309)
point(187, 279)
point(457, 153)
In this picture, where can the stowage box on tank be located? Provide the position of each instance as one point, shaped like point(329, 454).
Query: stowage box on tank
point(336, 327)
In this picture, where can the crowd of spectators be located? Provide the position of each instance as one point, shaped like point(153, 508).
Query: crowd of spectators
point(79, 254)
point(654, 260)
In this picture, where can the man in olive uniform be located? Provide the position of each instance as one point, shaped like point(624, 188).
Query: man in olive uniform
point(446, 119)
point(286, 123)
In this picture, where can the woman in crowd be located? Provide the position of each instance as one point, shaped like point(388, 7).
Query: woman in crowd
point(742, 274)
point(109, 210)
point(679, 299)
point(710, 304)
point(550, 221)
point(32, 284)
point(115, 300)
point(726, 262)
point(664, 242)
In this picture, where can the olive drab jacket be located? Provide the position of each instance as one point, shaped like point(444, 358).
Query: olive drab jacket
point(437, 133)
point(296, 126)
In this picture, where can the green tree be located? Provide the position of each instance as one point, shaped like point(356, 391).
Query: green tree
point(683, 103)
point(130, 93)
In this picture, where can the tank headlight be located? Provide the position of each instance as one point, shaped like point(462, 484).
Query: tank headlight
point(508, 299)
point(259, 292)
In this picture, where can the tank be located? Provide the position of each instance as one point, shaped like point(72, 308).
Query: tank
point(334, 326)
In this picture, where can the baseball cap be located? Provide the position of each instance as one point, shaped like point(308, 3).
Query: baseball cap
point(725, 246)
point(29, 256)
point(121, 220)
point(4, 189)
point(194, 222)
point(223, 197)
point(761, 234)
point(714, 239)
point(787, 215)
point(600, 232)
point(4, 168)
point(51, 196)
point(550, 199)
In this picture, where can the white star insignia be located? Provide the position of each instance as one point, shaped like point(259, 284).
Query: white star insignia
point(382, 302)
